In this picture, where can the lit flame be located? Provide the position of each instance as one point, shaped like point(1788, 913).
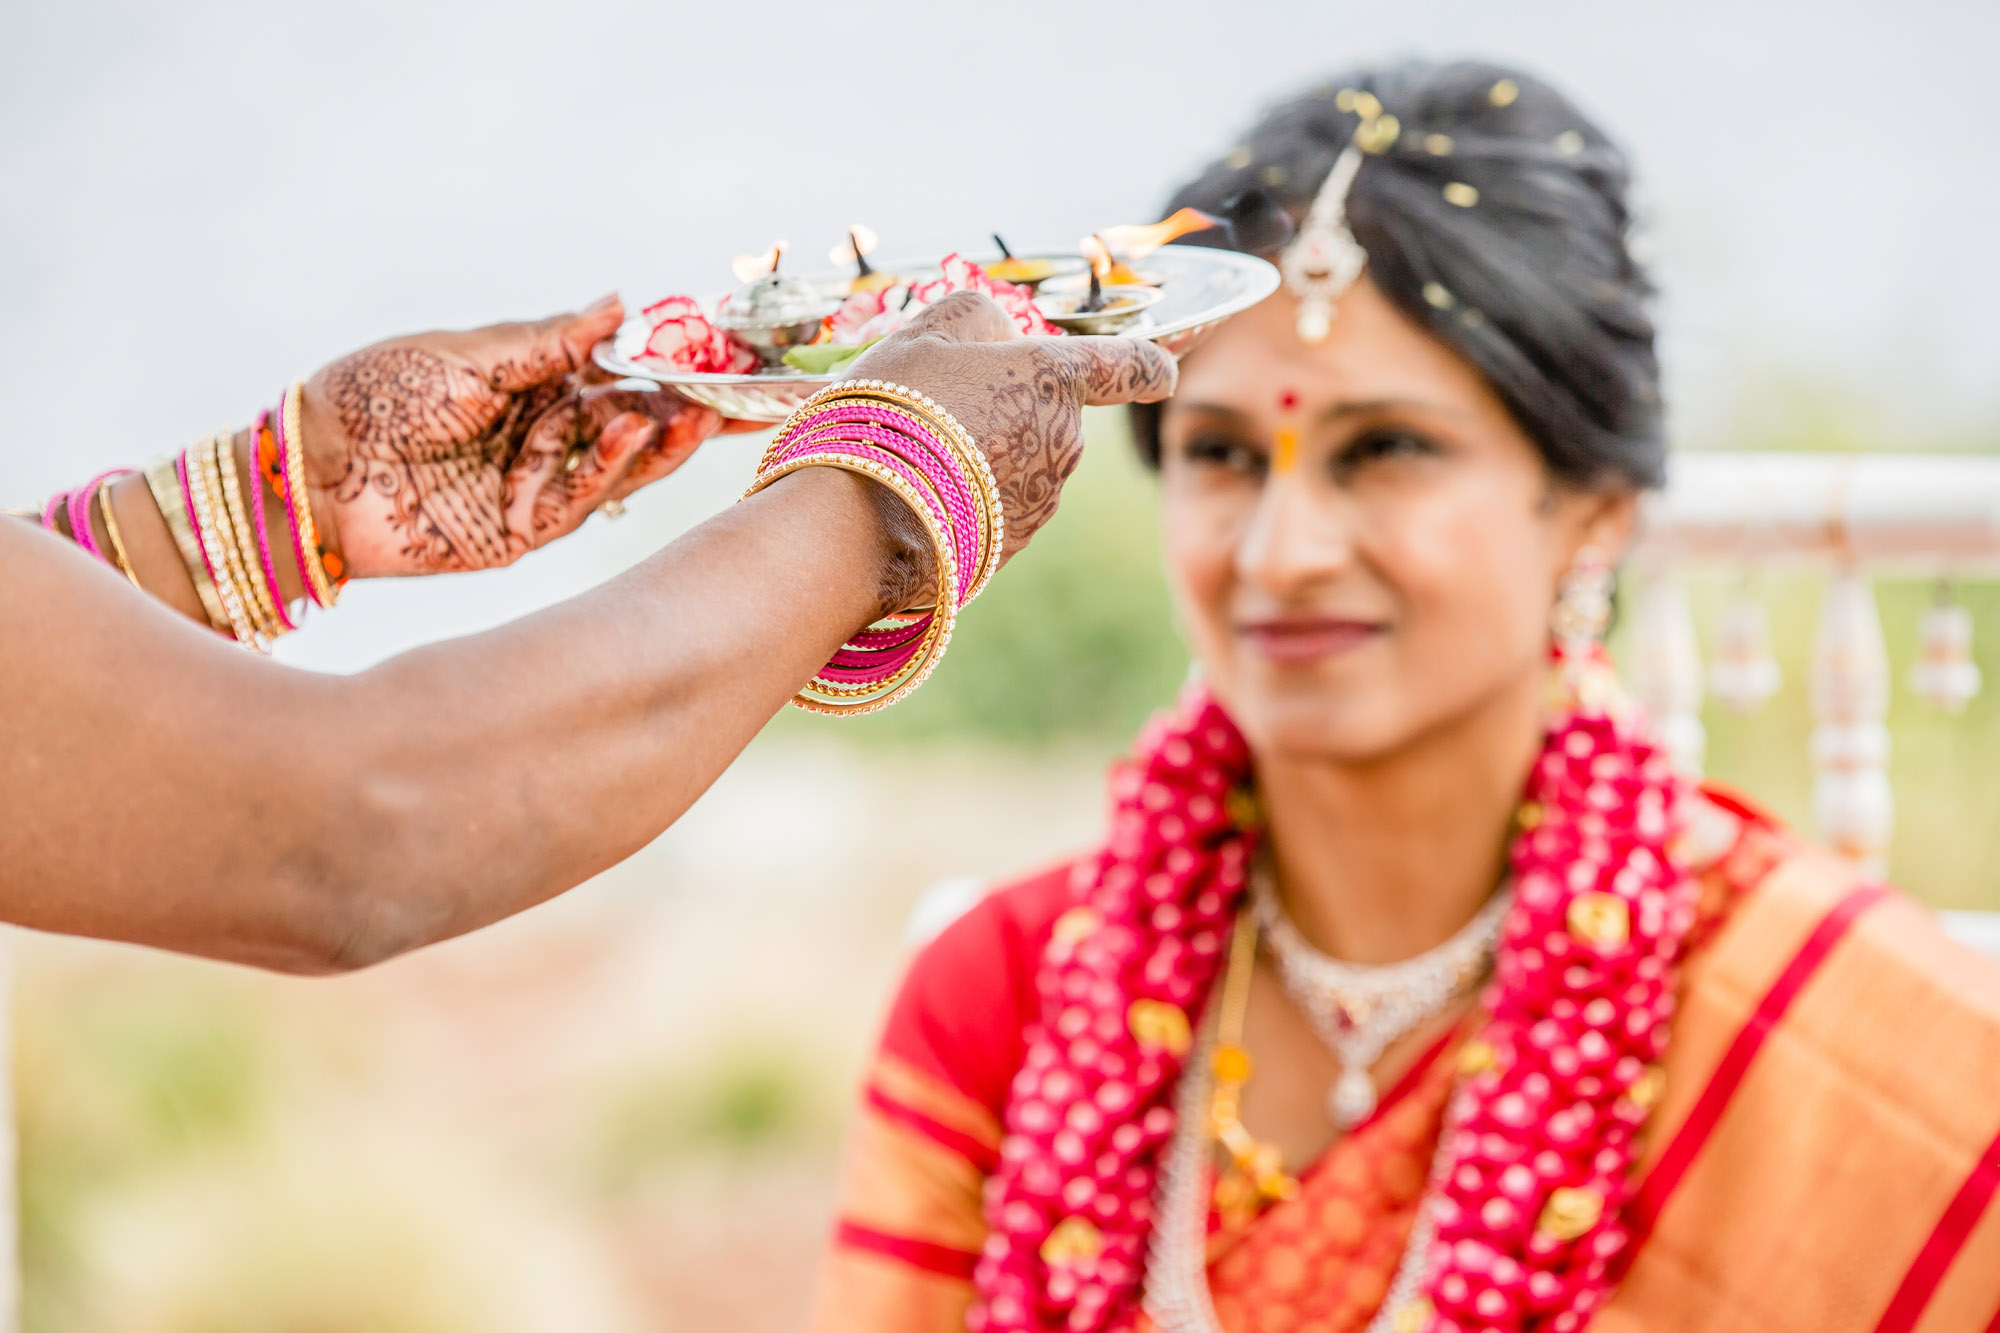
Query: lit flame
point(1110, 271)
point(861, 240)
point(1110, 247)
point(749, 268)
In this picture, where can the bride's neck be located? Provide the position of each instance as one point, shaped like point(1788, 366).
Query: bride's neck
point(1379, 861)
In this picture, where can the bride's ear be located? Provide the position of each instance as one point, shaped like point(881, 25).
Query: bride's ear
point(1606, 521)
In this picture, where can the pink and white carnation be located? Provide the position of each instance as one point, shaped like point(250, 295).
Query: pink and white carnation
point(680, 335)
point(962, 275)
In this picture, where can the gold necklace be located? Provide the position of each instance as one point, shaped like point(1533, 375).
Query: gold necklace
point(1256, 1173)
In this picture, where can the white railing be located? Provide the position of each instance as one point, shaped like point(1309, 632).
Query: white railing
point(1853, 515)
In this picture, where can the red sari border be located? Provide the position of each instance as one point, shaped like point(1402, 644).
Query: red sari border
point(965, 1145)
point(932, 1258)
point(1694, 1132)
point(1947, 1238)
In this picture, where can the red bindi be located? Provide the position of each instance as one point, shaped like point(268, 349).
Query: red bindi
point(1288, 400)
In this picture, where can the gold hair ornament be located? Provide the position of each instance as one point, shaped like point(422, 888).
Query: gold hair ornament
point(1325, 259)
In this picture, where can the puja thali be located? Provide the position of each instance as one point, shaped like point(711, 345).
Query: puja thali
point(1185, 291)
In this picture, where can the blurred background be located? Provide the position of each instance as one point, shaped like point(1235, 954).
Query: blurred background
point(621, 1111)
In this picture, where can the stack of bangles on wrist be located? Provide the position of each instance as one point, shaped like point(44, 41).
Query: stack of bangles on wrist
point(903, 440)
point(222, 533)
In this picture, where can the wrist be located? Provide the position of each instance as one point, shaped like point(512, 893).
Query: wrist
point(908, 561)
point(324, 443)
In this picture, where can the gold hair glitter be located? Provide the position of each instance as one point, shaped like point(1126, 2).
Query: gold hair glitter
point(1438, 295)
point(1458, 192)
point(1503, 93)
point(1439, 145)
point(1377, 134)
point(1239, 157)
point(1274, 175)
point(1569, 143)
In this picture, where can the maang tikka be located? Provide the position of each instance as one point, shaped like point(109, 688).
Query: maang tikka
point(1325, 259)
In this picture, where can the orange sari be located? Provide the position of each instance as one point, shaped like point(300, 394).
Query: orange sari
point(1824, 1158)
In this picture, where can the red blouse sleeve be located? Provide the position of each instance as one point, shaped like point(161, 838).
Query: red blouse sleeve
point(927, 1131)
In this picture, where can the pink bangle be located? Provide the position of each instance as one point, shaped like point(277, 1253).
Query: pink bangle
point(918, 444)
point(925, 455)
point(873, 442)
point(939, 457)
point(902, 468)
point(79, 513)
point(257, 513)
point(56, 501)
point(291, 511)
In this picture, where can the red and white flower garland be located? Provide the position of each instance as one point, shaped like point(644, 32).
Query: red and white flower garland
point(1543, 1126)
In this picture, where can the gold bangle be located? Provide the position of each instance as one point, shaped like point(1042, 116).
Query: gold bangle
point(244, 545)
point(292, 411)
point(832, 698)
point(201, 490)
point(947, 427)
point(221, 472)
point(984, 503)
point(173, 506)
point(119, 555)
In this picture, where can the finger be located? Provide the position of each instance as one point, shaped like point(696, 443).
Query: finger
point(1116, 370)
point(534, 478)
point(600, 474)
point(516, 357)
point(672, 429)
point(966, 317)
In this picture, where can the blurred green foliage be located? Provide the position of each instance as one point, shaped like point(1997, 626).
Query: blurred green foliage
point(749, 1094)
point(114, 1084)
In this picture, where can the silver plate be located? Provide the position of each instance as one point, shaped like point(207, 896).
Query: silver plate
point(1201, 287)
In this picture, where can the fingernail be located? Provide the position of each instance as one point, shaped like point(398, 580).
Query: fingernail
point(601, 304)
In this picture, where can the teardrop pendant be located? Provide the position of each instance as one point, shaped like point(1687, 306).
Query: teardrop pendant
point(1351, 1099)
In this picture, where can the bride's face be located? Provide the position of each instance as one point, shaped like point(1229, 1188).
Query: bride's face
point(1364, 545)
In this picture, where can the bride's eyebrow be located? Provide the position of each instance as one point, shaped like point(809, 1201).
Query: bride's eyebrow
point(1372, 406)
point(1235, 416)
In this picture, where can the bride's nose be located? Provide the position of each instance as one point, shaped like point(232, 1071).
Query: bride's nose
point(1300, 533)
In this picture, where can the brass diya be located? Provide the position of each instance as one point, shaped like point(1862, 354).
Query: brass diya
point(1095, 309)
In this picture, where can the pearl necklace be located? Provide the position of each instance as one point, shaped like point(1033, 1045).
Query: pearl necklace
point(1358, 1010)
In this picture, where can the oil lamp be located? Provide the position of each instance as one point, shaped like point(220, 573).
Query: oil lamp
point(775, 312)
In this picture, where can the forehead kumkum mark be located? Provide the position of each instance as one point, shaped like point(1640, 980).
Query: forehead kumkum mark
point(1285, 450)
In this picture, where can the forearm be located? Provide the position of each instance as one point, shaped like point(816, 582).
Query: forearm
point(167, 789)
point(597, 723)
point(144, 543)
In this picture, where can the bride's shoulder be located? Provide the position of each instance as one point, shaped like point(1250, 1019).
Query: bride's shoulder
point(1833, 1049)
point(968, 993)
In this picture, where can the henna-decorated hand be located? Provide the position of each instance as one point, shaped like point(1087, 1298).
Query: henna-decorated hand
point(1022, 398)
point(453, 451)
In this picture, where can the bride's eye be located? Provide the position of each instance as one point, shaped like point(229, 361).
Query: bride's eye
point(1381, 446)
point(1224, 452)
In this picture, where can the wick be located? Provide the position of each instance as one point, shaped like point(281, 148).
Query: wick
point(860, 260)
point(1094, 301)
point(1005, 253)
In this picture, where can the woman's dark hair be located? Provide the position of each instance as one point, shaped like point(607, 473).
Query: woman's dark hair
point(1530, 279)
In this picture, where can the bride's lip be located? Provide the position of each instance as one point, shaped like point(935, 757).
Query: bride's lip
point(1299, 639)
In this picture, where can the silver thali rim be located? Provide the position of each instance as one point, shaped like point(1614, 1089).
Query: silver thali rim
point(1258, 279)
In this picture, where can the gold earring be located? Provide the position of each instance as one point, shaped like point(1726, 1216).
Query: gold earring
point(1583, 603)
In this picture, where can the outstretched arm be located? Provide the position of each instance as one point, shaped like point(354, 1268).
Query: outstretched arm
point(163, 788)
